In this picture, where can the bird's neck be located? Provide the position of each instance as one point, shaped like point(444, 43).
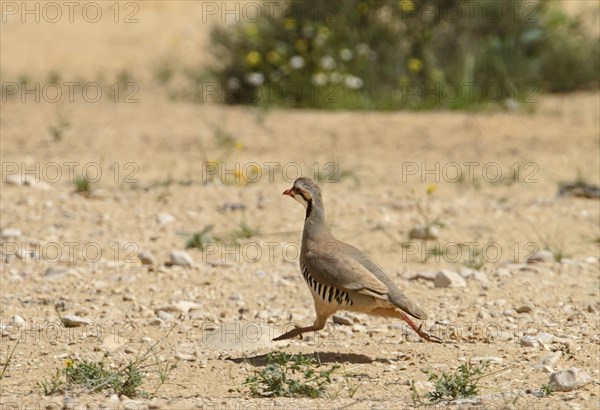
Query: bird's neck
point(315, 224)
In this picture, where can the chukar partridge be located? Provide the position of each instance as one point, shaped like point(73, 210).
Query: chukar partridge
point(340, 276)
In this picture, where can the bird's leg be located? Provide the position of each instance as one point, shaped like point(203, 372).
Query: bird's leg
point(297, 331)
point(423, 334)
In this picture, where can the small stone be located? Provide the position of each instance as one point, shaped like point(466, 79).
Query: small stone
point(165, 316)
point(424, 275)
point(490, 359)
point(480, 277)
point(510, 313)
point(465, 272)
point(549, 360)
point(422, 386)
point(376, 330)
point(569, 379)
point(356, 328)
point(342, 320)
point(56, 274)
point(529, 341)
point(424, 232)
point(524, 309)
point(185, 357)
point(75, 321)
point(18, 320)
point(169, 309)
point(147, 258)
point(164, 218)
point(156, 322)
point(8, 233)
point(503, 273)
point(13, 180)
point(591, 259)
point(185, 306)
point(541, 256)
point(181, 258)
point(449, 279)
point(544, 338)
point(483, 315)
point(196, 314)
point(35, 183)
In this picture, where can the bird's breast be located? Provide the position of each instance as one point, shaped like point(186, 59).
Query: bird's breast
point(326, 293)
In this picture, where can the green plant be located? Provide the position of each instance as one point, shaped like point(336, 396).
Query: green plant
point(97, 376)
point(200, 239)
point(57, 131)
point(286, 375)
point(124, 77)
point(163, 72)
point(464, 382)
point(475, 259)
point(52, 386)
point(82, 185)
point(163, 371)
point(350, 385)
point(244, 231)
point(416, 396)
point(6, 363)
point(125, 378)
point(546, 390)
point(383, 55)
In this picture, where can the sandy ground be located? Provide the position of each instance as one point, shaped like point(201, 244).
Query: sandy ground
point(148, 156)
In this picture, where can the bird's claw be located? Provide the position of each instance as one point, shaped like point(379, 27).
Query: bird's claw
point(428, 336)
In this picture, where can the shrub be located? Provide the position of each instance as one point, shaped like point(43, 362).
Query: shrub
point(382, 54)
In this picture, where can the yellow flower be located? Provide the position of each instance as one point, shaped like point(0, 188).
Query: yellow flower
point(68, 363)
point(301, 45)
point(415, 65)
point(363, 8)
point(407, 6)
point(290, 23)
point(239, 146)
point(239, 177)
point(253, 58)
point(431, 188)
point(273, 57)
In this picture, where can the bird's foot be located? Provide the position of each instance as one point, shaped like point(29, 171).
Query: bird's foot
point(428, 336)
point(297, 331)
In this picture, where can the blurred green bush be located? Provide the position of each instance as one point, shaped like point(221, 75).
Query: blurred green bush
point(386, 55)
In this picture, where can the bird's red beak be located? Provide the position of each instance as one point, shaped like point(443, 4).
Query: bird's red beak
point(289, 192)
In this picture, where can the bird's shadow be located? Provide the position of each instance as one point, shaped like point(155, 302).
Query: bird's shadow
point(320, 357)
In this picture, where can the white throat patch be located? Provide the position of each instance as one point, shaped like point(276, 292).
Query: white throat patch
point(299, 198)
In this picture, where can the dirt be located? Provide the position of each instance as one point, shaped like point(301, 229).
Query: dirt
point(77, 253)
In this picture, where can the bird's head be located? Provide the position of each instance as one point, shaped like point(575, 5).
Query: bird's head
point(305, 191)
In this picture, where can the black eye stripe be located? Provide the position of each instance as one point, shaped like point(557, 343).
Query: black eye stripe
point(303, 194)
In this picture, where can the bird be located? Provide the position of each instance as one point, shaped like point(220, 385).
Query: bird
point(342, 277)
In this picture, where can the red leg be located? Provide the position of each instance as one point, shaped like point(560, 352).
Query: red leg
point(297, 331)
point(424, 335)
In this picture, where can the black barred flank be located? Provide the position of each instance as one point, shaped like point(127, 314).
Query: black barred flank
point(327, 293)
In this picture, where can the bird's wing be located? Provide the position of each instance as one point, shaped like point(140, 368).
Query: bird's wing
point(345, 267)
point(395, 295)
point(330, 265)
